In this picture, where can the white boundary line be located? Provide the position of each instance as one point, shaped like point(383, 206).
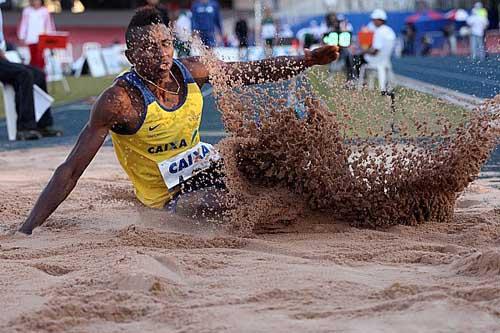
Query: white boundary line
point(468, 101)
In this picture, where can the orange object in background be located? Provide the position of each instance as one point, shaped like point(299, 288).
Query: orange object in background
point(365, 39)
point(55, 40)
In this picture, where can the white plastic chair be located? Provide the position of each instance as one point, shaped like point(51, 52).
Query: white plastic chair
point(42, 100)
point(92, 55)
point(54, 69)
point(65, 57)
point(90, 46)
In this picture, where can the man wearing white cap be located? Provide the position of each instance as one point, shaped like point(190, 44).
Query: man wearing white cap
point(478, 23)
point(384, 39)
point(378, 56)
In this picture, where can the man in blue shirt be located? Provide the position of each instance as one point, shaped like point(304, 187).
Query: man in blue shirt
point(206, 20)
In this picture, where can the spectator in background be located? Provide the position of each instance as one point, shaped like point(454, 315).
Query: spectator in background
point(182, 25)
point(35, 21)
point(345, 52)
point(22, 78)
point(339, 23)
point(317, 30)
point(332, 22)
point(206, 20)
point(426, 45)
point(66, 4)
point(161, 8)
point(345, 25)
point(268, 32)
point(384, 41)
point(478, 24)
point(3, 43)
point(450, 38)
point(286, 32)
point(409, 35)
point(241, 32)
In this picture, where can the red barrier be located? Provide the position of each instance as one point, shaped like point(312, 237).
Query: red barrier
point(56, 40)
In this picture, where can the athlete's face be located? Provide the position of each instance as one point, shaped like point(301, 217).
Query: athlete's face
point(154, 53)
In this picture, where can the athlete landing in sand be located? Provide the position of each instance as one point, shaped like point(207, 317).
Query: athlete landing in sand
point(153, 113)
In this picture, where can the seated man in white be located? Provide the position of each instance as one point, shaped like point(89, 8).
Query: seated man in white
point(22, 78)
point(378, 56)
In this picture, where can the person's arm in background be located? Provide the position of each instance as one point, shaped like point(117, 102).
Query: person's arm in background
point(22, 31)
point(268, 70)
point(49, 22)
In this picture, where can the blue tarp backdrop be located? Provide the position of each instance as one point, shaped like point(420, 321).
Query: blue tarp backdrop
point(395, 20)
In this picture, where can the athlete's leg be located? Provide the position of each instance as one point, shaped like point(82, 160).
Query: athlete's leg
point(203, 192)
point(212, 177)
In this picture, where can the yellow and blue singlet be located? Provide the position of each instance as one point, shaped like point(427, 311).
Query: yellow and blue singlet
point(163, 134)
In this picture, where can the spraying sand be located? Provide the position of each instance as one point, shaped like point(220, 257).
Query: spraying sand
point(288, 153)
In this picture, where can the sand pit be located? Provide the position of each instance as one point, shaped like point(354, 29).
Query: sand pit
point(102, 263)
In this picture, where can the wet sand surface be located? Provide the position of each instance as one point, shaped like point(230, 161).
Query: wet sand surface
point(103, 263)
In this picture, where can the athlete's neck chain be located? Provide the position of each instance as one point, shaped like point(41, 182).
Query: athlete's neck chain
point(157, 86)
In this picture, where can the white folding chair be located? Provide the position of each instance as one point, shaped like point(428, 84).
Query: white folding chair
point(54, 69)
point(90, 46)
point(65, 57)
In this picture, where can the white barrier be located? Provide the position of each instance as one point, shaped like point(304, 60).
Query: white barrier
point(101, 61)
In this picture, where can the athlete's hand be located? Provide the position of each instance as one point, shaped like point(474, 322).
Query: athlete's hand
point(322, 55)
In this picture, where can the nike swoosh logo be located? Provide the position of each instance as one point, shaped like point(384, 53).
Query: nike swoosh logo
point(155, 127)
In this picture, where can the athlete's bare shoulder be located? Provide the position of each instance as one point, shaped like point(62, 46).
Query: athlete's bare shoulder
point(117, 104)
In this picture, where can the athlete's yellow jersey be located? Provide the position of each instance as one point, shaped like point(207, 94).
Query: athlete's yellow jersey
point(166, 136)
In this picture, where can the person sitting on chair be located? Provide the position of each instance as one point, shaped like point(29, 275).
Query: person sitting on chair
point(22, 78)
point(384, 40)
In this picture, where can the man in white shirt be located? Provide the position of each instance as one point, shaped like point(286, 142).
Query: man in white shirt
point(378, 56)
point(384, 39)
point(478, 23)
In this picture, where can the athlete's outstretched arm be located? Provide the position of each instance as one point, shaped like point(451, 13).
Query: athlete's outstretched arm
point(67, 174)
point(268, 70)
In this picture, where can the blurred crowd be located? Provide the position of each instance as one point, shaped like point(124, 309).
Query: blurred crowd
point(204, 18)
point(460, 25)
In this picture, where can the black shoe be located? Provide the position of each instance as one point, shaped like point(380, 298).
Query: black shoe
point(48, 132)
point(28, 135)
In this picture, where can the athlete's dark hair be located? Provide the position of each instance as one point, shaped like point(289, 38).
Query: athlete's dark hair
point(143, 17)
